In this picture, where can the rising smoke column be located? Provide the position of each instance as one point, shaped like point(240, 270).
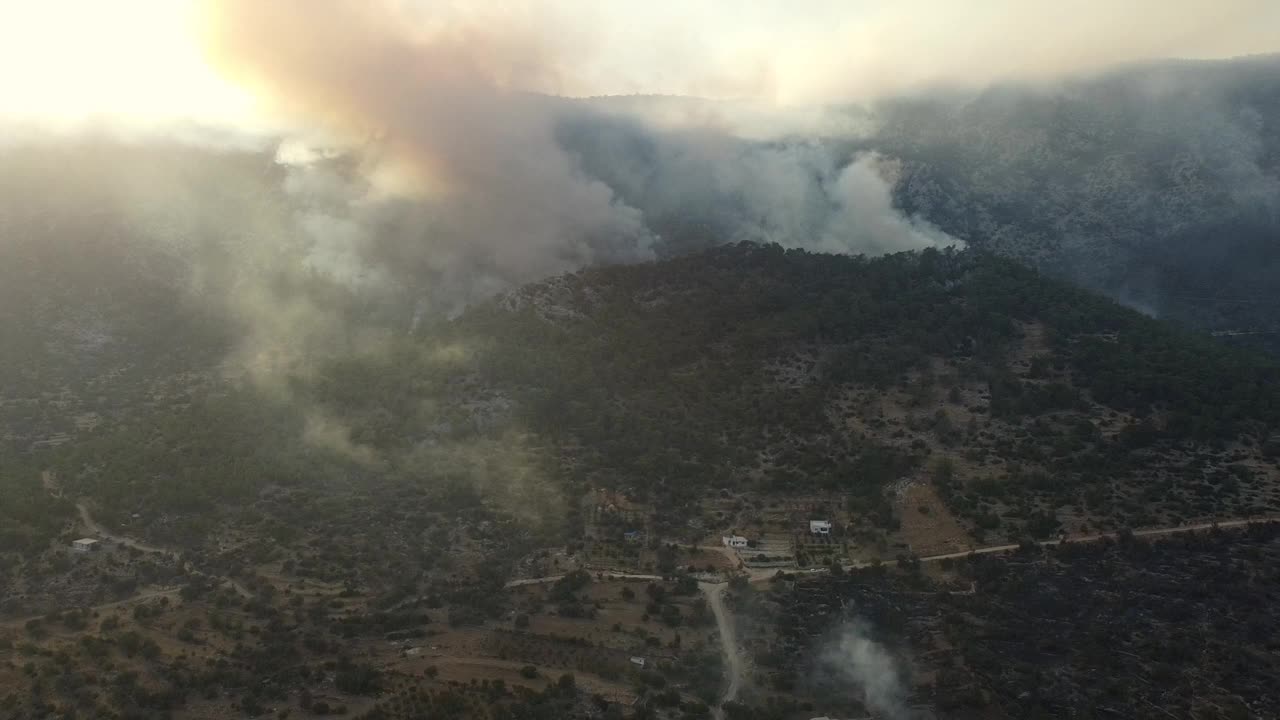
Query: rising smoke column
point(462, 180)
point(796, 190)
point(466, 183)
point(854, 659)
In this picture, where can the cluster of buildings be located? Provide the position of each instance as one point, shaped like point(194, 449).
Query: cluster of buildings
point(738, 542)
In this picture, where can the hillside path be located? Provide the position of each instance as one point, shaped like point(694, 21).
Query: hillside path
point(136, 598)
point(1151, 532)
point(94, 528)
point(98, 530)
point(733, 661)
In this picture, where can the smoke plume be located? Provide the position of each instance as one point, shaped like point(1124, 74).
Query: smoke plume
point(700, 185)
point(458, 177)
point(457, 180)
point(856, 659)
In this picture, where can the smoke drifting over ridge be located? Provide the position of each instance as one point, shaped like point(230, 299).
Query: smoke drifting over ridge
point(418, 162)
point(464, 182)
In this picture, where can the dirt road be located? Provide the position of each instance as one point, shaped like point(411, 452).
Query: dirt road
point(733, 664)
point(95, 529)
point(139, 597)
point(594, 574)
point(724, 625)
point(1153, 532)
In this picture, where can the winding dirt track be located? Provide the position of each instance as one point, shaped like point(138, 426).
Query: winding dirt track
point(98, 530)
point(594, 573)
point(724, 626)
point(1153, 532)
point(728, 645)
point(140, 597)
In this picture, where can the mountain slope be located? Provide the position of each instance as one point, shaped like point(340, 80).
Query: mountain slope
point(1027, 403)
point(1157, 184)
point(382, 498)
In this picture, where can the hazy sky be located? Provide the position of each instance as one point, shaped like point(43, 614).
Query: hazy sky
point(146, 60)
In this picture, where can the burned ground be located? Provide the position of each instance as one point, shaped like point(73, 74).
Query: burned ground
point(1178, 627)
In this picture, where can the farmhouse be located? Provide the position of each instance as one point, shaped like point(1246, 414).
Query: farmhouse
point(820, 527)
point(85, 545)
point(734, 541)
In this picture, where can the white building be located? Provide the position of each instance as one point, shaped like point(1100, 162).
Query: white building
point(637, 661)
point(734, 541)
point(85, 545)
point(820, 527)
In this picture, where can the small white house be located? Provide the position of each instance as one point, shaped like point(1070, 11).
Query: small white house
point(85, 545)
point(637, 661)
point(734, 541)
point(820, 527)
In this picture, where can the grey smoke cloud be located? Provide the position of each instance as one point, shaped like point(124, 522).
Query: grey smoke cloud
point(857, 659)
point(701, 185)
point(458, 182)
point(423, 165)
point(457, 177)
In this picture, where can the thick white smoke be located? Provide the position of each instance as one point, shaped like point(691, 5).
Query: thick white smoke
point(456, 181)
point(453, 174)
point(795, 190)
point(865, 220)
point(854, 657)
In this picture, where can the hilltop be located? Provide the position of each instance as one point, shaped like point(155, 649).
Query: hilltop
point(1026, 403)
point(1025, 406)
point(1155, 184)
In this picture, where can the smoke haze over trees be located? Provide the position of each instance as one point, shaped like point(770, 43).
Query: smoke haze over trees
point(1156, 184)
point(354, 329)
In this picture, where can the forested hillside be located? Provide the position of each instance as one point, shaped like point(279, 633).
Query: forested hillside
point(384, 493)
point(749, 366)
point(1026, 402)
point(1157, 184)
